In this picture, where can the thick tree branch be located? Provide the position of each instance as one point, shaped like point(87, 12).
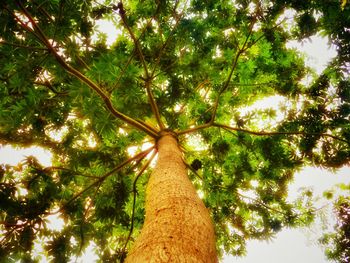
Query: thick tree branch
point(83, 78)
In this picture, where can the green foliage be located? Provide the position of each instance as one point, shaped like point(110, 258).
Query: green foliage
point(338, 242)
point(196, 64)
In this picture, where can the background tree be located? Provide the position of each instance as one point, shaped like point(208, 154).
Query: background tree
point(190, 67)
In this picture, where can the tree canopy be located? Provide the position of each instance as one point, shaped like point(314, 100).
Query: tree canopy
point(191, 67)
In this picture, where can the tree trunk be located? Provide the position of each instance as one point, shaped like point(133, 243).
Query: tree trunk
point(177, 225)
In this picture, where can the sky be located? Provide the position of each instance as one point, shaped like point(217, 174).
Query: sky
point(290, 245)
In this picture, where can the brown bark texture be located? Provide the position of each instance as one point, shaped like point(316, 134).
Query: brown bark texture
point(177, 225)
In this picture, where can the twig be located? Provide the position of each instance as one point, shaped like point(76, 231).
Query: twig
point(7, 235)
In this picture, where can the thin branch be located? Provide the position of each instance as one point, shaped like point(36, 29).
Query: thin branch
point(22, 24)
point(134, 199)
point(44, 12)
point(194, 129)
point(148, 77)
point(132, 54)
point(263, 133)
point(81, 61)
point(58, 18)
point(241, 50)
point(234, 65)
point(48, 85)
point(87, 210)
point(3, 42)
point(14, 225)
point(57, 168)
point(142, 154)
point(154, 106)
point(178, 18)
point(251, 84)
point(259, 202)
point(134, 39)
point(262, 35)
point(123, 70)
point(257, 133)
point(83, 78)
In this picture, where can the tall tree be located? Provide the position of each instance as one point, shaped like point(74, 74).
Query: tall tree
point(179, 77)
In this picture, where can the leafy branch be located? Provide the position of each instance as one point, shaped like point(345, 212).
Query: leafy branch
point(240, 51)
point(138, 156)
point(257, 133)
point(148, 77)
point(42, 37)
point(194, 129)
point(263, 133)
point(24, 139)
point(58, 168)
point(122, 14)
point(3, 42)
point(177, 20)
point(260, 203)
point(47, 84)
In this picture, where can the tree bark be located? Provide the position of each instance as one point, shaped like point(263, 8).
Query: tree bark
point(177, 225)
